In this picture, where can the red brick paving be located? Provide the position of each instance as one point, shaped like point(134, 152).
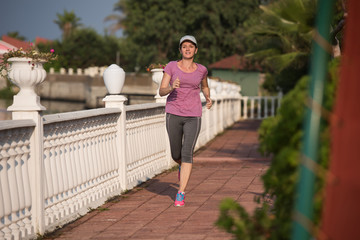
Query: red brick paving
point(229, 166)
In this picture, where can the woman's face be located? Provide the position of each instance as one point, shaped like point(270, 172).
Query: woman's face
point(188, 50)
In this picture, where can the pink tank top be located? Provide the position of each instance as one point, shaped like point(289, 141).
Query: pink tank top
point(185, 101)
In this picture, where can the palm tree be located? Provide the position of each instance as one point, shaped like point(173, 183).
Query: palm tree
point(117, 18)
point(283, 37)
point(67, 22)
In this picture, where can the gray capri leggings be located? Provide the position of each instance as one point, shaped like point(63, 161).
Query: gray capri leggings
point(183, 133)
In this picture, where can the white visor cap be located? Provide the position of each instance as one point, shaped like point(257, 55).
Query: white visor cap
point(188, 38)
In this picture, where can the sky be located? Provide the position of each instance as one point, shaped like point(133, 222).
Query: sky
point(35, 18)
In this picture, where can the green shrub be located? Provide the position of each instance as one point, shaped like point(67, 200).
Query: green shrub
point(280, 137)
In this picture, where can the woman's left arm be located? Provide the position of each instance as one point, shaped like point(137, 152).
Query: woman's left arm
point(206, 91)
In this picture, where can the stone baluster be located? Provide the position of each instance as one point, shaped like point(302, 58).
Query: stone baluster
point(25, 174)
point(259, 107)
point(266, 107)
point(19, 149)
point(245, 110)
point(252, 107)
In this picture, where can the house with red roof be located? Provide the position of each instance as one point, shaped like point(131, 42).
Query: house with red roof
point(40, 40)
point(16, 42)
point(9, 43)
point(4, 47)
point(238, 69)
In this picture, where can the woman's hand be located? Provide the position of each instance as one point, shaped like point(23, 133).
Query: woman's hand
point(206, 91)
point(208, 103)
point(176, 83)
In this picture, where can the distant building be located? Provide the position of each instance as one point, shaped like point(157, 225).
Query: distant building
point(9, 43)
point(16, 42)
point(40, 40)
point(4, 47)
point(237, 69)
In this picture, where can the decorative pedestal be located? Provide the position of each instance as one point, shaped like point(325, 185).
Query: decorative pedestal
point(157, 75)
point(27, 76)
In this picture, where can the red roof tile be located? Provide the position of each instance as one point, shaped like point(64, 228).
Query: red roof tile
point(4, 46)
point(41, 40)
point(16, 42)
point(234, 62)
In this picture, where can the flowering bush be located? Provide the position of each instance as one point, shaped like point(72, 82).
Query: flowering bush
point(155, 65)
point(31, 52)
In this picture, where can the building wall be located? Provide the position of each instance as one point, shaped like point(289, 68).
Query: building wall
point(249, 81)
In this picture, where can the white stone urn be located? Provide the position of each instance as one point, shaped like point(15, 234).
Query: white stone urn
point(114, 79)
point(157, 75)
point(27, 75)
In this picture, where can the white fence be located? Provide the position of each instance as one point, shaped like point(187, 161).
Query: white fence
point(91, 71)
point(55, 168)
point(260, 107)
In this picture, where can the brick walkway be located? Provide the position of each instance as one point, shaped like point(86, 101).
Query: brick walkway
point(229, 166)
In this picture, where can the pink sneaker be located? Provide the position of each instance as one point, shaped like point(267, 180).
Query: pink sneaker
point(180, 199)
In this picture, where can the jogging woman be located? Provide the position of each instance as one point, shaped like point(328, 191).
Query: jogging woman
point(183, 80)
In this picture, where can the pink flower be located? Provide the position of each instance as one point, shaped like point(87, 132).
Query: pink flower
point(52, 50)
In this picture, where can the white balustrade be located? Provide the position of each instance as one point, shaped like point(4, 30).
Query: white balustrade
point(260, 103)
point(145, 128)
point(91, 71)
point(15, 201)
point(55, 168)
point(80, 162)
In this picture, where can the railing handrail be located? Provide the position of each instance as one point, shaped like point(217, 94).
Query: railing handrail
point(68, 116)
point(11, 124)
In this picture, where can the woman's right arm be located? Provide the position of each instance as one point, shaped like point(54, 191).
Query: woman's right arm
point(165, 87)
